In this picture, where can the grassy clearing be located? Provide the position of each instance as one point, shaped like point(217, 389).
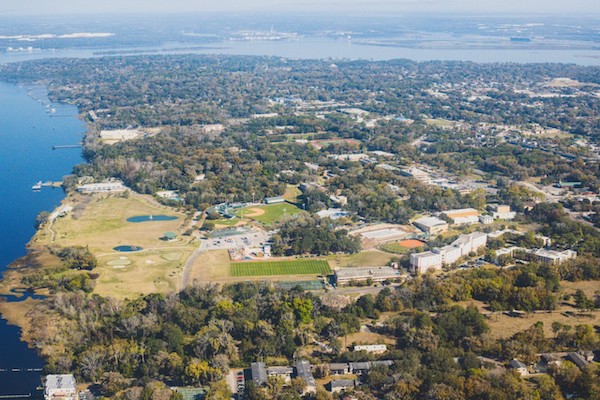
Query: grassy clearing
point(175, 256)
point(101, 224)
point(142, 272)
point(367, 338)
point(273, 212)
point(395, 248)
point(292, 193)
point(503, 326)
point(362, 259)
point(288, 267)
point(439, 122)
point(211, 266)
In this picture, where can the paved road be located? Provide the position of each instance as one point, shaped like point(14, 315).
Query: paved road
point(187, 267)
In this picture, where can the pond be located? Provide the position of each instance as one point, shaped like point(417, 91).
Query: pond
point(127, 248)
point(150, 218)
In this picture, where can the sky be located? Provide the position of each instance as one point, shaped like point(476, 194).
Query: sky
point(54, 7)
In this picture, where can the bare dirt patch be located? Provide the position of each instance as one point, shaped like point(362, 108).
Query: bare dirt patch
point(254, 212)
point(411, 243)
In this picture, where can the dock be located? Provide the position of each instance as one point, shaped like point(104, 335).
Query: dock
point(66, 146)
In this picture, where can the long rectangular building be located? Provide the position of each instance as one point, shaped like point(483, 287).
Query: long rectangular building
point(436, 259)
point(343, 276)
point(431, 225)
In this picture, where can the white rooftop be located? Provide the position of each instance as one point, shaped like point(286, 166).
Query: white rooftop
point(60, 382)
point(429, 221)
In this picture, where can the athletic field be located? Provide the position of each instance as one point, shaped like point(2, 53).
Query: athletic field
point(291, 267)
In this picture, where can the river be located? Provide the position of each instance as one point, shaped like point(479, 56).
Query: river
point(28, 130)
point(325, 48)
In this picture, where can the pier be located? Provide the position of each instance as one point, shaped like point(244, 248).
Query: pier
point(66, 146)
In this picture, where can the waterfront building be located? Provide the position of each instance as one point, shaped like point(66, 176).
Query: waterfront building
point(60, 387)
point(115, 186)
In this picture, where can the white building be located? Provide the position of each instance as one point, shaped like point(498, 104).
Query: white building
point(508, 251)
point(274, 200)
point(333, 213)
point(553, 256)
point(423, 262)
point(463, 216)
point(486, 219)
point(431, 225)
point(450, 254)
point(114, 186)
point(502, 212)
point(470, 220)
point(344, 276)
point(504, 215)
point(61, 387)
point(471, 242)
point(371, 348)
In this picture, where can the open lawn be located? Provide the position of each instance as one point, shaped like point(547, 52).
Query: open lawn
point(589, 287)
point(504, 326)
point(101, 225)
point(403, 246)
point(292, 193)
point(288, 267)
point(363, 259)
point(272, 212)
point(438, 122)
point(211, 266)
point(367, 338)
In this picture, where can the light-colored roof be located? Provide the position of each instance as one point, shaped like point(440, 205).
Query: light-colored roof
point(60, 382)
point(369, 271)
point(430, 222)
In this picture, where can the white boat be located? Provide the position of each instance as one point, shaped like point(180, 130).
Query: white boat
point(37, 186)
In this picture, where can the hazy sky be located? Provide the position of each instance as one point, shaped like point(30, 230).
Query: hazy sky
point(348, 6)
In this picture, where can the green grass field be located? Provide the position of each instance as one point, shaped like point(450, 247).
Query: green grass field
point(394, 248)
point(272, 212)
point(292, 267)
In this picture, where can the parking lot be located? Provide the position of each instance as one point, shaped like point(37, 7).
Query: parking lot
point(251, 239)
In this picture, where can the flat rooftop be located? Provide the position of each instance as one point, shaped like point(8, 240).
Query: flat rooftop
point(384, 233)
point(360, 272)
point(430, 221)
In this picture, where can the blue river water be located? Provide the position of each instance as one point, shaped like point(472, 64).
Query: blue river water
point(28, 130)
